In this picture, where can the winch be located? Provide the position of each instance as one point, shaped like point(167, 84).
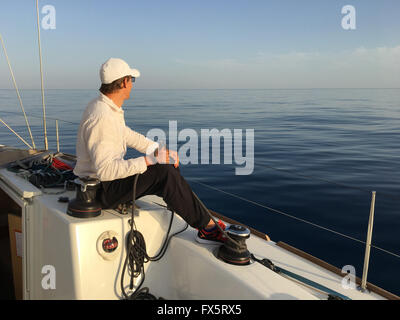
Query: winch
point(234, 250)
point(85, 204)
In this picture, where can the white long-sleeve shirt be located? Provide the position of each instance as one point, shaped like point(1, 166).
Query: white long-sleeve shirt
point(102, 142)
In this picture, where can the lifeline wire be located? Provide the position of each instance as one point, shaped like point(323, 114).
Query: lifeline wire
point(296, 218)
point(16, 89)
point(40, 117)
point(9, 128)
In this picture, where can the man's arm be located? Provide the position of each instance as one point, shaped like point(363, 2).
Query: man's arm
point(139, 142)
point(147, 146)
point(102, 141)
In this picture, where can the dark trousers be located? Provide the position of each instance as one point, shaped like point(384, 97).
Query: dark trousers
point(163, 180)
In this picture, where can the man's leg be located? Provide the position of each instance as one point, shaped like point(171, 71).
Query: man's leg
point(164, 181)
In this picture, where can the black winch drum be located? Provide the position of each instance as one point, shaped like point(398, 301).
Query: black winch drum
point(230, 252)
point(85, 204)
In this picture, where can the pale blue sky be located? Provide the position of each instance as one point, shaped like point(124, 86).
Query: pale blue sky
point(206, 44)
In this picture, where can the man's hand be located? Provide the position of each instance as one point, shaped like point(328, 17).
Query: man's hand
point(174, 155)
point(163, 156)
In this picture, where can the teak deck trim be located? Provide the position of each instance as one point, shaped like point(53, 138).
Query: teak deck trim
point(326, 265)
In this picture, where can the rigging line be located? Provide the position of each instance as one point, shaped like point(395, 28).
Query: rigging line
point(280, 212)
point(46, 146)
point(16, 89)
point(387, 195)
point(16, 133)
point(293, 217)
point(386, 251)
point(40, 117)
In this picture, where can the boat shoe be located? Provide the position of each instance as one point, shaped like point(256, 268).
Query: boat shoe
point(213, 235)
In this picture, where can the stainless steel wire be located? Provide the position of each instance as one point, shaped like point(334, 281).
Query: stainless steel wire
point(16, 89)
point(292, 216)
point(9, 128)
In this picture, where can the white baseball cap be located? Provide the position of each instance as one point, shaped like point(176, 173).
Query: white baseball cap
point(114, 69)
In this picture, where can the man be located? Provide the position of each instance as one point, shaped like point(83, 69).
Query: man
point(102, 142)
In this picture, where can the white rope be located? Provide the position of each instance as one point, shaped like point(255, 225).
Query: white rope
point(16, 89)
point(46, 146)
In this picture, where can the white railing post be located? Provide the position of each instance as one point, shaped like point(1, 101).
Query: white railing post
point(57, 136)
point(368, 242)
point(46, 144)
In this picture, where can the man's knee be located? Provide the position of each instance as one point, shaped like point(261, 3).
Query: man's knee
point(171, 170)
point(166, 171)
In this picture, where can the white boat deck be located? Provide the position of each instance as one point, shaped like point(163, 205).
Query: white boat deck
point(258, 275)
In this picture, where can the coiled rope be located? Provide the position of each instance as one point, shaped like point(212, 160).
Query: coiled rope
point(137, 255)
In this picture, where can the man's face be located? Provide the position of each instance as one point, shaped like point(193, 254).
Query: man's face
point(129, 86)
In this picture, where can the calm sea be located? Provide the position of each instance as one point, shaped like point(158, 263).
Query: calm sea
point(302, 140)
